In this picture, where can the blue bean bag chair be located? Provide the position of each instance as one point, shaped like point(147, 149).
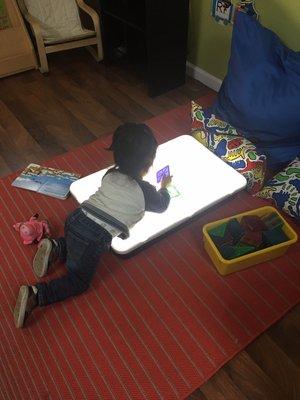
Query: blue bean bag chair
point(260, 95)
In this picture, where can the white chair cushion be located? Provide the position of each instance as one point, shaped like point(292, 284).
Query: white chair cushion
point(59, 19)
point(85, 33)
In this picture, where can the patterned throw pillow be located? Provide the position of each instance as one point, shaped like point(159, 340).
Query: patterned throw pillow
point(224, 140)
point(284, 189)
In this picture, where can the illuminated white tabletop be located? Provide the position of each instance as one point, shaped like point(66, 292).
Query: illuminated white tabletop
point(201, 178)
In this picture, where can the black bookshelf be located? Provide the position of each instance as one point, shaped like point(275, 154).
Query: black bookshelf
point(129, 12)
point(151, 34)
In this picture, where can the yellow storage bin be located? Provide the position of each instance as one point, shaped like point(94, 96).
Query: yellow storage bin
point(226, 267)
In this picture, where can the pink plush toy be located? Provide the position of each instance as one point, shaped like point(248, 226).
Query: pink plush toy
point(32, 231)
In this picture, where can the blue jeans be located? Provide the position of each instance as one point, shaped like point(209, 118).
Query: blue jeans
point(81, 248)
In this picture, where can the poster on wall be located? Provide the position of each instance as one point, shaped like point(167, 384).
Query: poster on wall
point(222, 11)
point(4, 18)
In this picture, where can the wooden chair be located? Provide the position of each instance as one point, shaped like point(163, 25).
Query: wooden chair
point(49, 43)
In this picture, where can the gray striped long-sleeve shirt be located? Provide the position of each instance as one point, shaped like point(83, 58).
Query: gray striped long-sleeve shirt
point(124, 200)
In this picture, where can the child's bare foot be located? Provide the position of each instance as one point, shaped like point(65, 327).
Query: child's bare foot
point(26, 302)
point(47, 254)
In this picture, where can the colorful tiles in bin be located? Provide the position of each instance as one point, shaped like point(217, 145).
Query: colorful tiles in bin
point(237, 238)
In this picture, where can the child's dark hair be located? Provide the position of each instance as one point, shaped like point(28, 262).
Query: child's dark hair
point(134, 147)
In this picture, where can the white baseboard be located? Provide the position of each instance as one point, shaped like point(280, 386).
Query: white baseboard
point(203, 76)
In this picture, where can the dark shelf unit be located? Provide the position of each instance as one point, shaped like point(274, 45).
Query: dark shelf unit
point(150, 34)
point(129, 12)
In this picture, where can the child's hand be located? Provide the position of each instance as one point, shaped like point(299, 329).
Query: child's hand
point(166, 181)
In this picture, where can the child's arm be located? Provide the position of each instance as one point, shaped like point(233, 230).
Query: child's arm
point(155, 200)
point(166, 181)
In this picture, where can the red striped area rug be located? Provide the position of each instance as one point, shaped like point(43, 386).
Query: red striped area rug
point(153, 326)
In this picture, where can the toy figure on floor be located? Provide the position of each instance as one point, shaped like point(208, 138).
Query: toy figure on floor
point(119, 203)
point(32, 231)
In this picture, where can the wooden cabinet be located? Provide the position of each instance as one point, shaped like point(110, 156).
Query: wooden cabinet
point(16, 50)
point(152, 34)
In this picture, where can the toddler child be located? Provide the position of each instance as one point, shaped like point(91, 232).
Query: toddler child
point(119, 203)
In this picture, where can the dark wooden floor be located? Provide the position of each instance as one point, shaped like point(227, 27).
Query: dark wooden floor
point(44, 116)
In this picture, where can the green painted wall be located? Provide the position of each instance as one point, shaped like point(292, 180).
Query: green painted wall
point(209, 42)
